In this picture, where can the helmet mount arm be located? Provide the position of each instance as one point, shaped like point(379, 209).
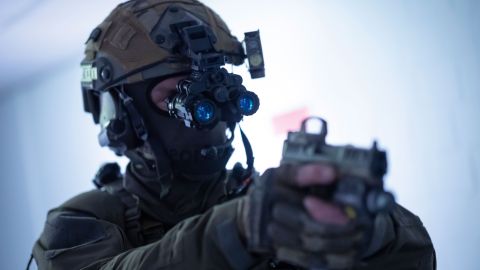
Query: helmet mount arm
point(210, 94)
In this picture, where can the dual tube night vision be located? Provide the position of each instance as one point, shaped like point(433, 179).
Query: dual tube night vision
point(211, 94)
point(201, 101)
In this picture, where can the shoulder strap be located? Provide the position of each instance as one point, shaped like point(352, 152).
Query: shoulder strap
point(110, 180)
point(98, 204)
point(132, 213)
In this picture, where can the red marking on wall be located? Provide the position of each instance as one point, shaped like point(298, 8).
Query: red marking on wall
point(289, 121)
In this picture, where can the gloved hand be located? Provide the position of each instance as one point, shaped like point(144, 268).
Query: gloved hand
point(278, 217)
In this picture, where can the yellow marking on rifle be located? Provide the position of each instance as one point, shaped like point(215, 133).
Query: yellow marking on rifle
point(350, 212)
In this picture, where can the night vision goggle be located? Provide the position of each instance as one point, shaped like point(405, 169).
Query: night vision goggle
point(211, 94)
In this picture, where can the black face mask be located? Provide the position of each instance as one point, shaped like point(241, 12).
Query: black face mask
point(176, 149)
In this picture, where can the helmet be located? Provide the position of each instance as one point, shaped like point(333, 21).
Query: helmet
point(140, 44)
point(139, 40)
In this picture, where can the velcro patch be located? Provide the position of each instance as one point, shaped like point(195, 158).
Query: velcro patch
point(70, 229)
point(122, 38)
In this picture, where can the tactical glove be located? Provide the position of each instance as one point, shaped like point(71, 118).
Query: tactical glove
point(279, 218)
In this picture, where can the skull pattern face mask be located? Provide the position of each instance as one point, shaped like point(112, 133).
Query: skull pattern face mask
point(180, 150)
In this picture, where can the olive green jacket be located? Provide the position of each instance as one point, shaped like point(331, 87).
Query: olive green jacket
point(90, 232)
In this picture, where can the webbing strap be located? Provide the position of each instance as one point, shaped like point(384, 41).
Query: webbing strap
point(132, 216)
point(132, 210)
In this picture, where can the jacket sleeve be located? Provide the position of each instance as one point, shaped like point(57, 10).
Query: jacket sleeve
point(207, 241)
point(73, 239)
point(400, 241)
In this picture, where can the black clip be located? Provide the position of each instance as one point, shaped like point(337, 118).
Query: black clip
point(108, 173)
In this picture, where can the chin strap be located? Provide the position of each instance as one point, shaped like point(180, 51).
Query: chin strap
point(248, 152)
point(242, 177)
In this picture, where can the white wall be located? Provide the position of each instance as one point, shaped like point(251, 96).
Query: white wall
point(49, 153)
point(404, 72)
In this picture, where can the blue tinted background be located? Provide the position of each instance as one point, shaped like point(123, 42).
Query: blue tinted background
point(404, 72)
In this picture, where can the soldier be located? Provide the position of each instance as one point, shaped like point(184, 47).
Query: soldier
point(176, 206)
